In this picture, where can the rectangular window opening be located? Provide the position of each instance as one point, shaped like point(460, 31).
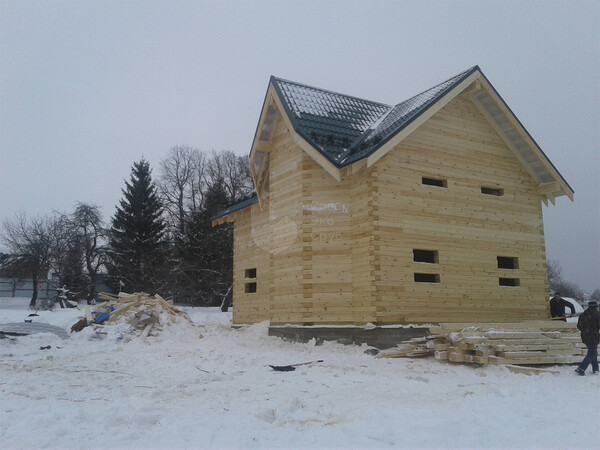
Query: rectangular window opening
point(427, 278)
point(492, 191)
point(250, 273)
point(250, 288)
point(508, 262)
point(425, 256)
point(509, 282)
point(434, 182)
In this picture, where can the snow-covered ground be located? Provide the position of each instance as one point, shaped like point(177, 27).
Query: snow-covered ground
point(208, 385)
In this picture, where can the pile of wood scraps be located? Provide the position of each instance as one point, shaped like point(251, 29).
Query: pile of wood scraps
point(524, 343)
point(413, 348)
point(146, 314)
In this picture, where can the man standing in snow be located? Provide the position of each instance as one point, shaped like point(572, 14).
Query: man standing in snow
point(557, 306)
point(589, 325)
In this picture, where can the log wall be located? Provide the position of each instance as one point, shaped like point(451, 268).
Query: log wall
point(342, 252)
point(466, 228)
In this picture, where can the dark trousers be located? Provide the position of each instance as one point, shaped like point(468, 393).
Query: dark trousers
point(591, 357)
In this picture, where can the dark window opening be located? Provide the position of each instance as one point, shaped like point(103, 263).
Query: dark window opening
point(425, 256)
point(427, 278)
point(509, 282)
point(508, 262)
point(250, 288)
point(434, 182)
point(492, 191)
point(250, 273)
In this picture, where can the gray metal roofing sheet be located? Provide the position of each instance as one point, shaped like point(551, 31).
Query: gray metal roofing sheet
point(346, 129)
point(329, 121)
point(26, 328)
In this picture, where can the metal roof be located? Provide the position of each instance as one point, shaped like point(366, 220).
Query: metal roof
point(241, 203)
point(346, 129)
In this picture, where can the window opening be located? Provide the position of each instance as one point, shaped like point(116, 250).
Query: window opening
point(508, 262)
point(492, 191)
point(251, 273)
point(250, 288)
point(425, 256)
point(434, 182)
point(509, 282)
point(427, 278)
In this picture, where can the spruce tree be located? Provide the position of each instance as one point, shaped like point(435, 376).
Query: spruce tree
point(205, 254)
point(137, 234)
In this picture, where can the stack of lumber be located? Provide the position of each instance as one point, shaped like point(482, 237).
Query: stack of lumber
point(415, 347)
point(520, 343)
point(144, 312)
point(524, 343)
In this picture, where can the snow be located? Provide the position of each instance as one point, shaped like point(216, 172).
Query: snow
point(208, 385)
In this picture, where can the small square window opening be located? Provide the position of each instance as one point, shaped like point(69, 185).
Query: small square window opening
point(513, 282)
point(427, 278)
point(507, 262)
point(425, 256)
point(434, 182)
point(492, 191)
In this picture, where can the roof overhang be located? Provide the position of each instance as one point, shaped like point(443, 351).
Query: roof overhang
point(475, 86)
point(273, 111)
point(479, 90)
point(551, 183)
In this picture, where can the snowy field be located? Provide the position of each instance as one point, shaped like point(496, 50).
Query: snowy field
point(207, 385)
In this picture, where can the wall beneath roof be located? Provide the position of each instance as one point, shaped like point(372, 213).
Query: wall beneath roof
point(342, 252)
point(467, 229)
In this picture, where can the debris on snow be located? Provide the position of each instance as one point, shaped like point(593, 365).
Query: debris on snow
point(504, 344)
point(292, 367)
point(28, 327)
point(146, 315)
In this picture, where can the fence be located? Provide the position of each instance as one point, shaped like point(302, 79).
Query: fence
point(11, 287)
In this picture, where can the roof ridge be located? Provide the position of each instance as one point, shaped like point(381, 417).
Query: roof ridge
point(369, 132)
point(460, 74)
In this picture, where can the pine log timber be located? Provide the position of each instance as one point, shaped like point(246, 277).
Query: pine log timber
point(318, 265)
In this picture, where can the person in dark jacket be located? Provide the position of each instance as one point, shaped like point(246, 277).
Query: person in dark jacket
point(589, 325)
point(557, 306)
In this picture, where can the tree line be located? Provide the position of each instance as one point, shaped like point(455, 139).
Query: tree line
point(160, 238)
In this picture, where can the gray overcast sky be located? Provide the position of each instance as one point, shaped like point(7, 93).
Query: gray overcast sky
point(87, 88)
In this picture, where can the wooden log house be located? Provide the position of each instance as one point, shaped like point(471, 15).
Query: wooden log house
point(425, 211)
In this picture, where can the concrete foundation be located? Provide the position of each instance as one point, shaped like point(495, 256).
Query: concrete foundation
point(380, 338)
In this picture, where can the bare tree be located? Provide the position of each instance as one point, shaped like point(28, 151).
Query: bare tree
point(88, 225)
point(233, 170)
point(66, 254)
point(198, 185)
point(554, 273)
point(557, 284)
point(30, 243)
point(181, 184)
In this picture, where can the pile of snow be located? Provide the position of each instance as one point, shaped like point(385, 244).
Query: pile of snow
point(210, 386)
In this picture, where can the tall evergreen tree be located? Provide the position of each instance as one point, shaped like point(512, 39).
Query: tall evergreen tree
point(137, 245)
